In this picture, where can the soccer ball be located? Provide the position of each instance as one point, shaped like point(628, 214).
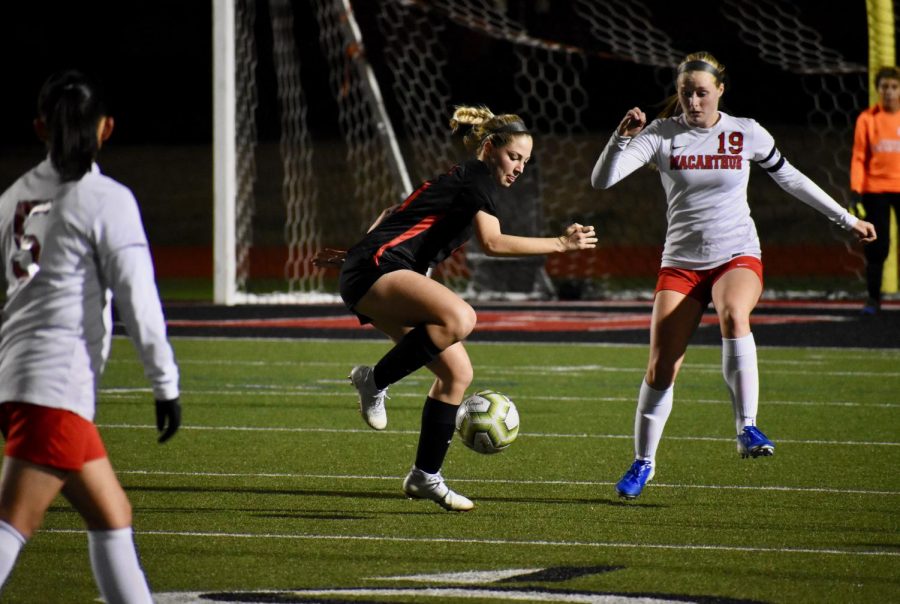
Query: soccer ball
point(487, 422)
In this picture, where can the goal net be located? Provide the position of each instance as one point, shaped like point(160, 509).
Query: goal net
point(329, 111)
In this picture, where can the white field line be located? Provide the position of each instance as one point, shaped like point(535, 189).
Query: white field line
point(507, 542)
point(447, 594)
point(313, 391)
point(864, 352)
point(841, 443)
point(565, 483)
point(538, 370)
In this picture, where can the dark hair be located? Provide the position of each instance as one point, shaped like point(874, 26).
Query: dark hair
point(887, 73)
point(71, 105)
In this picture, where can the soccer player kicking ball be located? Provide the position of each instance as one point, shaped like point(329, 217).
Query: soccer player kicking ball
point(712, 252)
point(383, 282)
point(70, 237)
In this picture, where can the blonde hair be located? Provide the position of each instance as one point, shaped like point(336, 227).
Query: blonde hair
point(500, 129)
point(696, 61)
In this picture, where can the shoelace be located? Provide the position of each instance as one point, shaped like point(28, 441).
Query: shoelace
point(379, 398)
point(434, 479)
point(753, 435)
point(636, 470)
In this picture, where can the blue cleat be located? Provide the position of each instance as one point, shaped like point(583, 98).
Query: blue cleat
point(632, 483)
point(753, 443)
point(871, 308)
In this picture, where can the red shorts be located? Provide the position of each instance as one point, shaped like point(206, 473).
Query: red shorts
point(699, 284)
point(49, 437)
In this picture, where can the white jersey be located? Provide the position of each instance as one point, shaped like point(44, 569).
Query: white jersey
point(704, 172)
point(67, 250)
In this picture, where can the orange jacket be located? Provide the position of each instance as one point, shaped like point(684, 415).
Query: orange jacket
point(875, 163)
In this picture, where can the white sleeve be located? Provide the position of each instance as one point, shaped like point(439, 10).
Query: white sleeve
point(623, 155)
point(128, 271)
point(800, 186)
point(129, 274)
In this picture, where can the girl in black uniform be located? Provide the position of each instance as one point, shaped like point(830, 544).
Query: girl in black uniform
point(383, 282)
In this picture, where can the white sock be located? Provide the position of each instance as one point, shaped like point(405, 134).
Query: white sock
point(11, 542)
point(116, 568)
point(653, 409)
point(742, 377)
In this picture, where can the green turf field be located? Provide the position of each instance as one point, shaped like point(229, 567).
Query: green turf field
point(274, 483)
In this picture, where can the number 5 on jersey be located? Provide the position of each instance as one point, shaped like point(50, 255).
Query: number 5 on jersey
point(29, 228)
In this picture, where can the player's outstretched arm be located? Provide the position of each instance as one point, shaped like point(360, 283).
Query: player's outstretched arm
point(496, 243)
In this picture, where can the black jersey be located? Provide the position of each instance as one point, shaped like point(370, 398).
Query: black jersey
point(432, 222)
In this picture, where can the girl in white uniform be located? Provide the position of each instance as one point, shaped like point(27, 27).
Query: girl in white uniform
point(71, 240)
point(712, 251)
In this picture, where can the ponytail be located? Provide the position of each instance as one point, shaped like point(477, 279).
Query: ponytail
point(500, 129)
point(71, 107)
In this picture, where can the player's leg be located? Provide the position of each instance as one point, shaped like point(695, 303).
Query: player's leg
point(26, 491)
point(735, 295)
point(436, 317)
point(96, 494)
point(878, 212)
point(675, 318)
point(453, 374)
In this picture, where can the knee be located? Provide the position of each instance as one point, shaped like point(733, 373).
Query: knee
point(660, 375)
point(112, 518)
point(27, 522)
point(461, 322)
point(121, 517)
point(733, 322)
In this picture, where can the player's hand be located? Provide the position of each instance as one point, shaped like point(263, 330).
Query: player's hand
point(633, 122)
point(168, 418)
point(864, 231)
point(329, 258)
point(578, 237)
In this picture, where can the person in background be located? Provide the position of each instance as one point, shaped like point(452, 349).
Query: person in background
point(383, 281)
point(71, 239)
point(875, 175)
point(712, 251)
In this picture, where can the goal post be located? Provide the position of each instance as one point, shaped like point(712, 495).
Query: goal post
point(235, 153)
point(224, 153)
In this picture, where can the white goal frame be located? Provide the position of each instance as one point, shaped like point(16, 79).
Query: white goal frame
point(225, 154)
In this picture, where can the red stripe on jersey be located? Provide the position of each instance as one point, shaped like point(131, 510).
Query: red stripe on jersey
point(421, 227)
point(414, 194)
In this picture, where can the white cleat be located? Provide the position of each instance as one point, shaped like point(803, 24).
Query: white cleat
point(371, 399)
point(422, 485)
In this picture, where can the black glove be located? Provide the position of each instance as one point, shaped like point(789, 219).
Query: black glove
point(168, 418)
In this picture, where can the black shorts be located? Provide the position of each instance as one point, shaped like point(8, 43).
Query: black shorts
point(358, 275)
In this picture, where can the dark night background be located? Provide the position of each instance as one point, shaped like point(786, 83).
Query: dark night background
point(155, 59)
